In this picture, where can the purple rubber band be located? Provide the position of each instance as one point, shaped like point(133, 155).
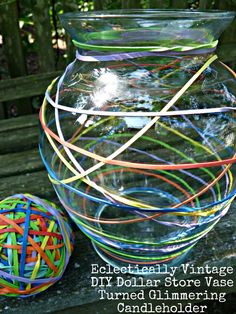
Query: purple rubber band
point(26, 280)
point(139, 54)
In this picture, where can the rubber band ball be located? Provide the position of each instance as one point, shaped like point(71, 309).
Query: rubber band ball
point(138, 134)
point(36, 242)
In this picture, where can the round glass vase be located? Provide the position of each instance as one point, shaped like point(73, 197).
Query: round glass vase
point(138, 134)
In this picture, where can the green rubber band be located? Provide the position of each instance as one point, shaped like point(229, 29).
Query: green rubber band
point(177, 48)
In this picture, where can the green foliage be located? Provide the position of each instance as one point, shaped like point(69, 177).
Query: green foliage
point(56, 7)
point(85, 5)
point(145, 4)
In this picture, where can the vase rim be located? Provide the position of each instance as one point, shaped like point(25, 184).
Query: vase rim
point(150, 13)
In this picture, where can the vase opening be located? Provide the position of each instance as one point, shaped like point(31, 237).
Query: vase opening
point(145, 28)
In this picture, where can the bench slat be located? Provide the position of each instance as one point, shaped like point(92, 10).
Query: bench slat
point(36, 183)
point(20, 163)
point(26, 86)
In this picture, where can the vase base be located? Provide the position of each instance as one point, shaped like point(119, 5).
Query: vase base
point(140, 268)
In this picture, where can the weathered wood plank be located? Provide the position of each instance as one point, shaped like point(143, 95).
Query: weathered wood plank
point(20, 163)
point(159, 4)
point(41, 19)
point(98, 4)
point(11, 38)
point(19, 140)
point(2, 114)
point(36, 183)
point(19, 123)
point(26, 86)
point(131, 4)
point(14, 53)
point(205, 4)
point(179, 4)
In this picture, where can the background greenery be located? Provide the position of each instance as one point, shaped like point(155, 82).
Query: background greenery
point(32, 40)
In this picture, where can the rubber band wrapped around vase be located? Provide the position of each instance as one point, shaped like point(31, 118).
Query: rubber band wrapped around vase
point(140, 145)
point(35, 245)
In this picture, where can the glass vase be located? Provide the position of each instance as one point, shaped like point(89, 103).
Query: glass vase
point(138, 134)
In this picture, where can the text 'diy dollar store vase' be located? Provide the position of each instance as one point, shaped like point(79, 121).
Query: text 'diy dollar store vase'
point(138, 134)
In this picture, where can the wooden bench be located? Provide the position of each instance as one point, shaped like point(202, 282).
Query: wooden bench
point(21, 170)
